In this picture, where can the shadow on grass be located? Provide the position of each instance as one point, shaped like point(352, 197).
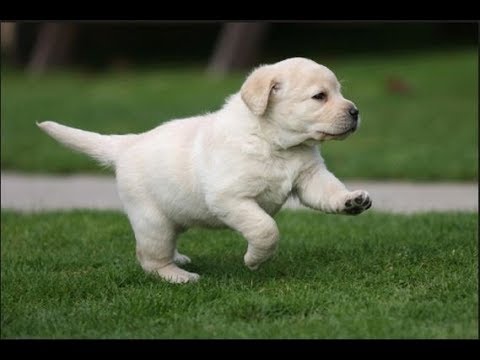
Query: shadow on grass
point(291, 262)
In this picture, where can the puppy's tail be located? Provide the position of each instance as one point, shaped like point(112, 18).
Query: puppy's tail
point(103, 148)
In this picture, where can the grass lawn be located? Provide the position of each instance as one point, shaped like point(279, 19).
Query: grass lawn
point(371, 276)
point(428, 133)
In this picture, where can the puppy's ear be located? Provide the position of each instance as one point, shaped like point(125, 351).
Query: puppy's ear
point(256, 90)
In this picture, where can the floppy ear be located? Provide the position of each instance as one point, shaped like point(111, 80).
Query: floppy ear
point(256, 90)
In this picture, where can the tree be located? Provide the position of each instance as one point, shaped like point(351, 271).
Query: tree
point(237, 47)
point(9, 41)
point(53, 46)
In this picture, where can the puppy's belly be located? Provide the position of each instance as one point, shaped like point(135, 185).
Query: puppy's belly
point(186, 208)
point(190, 209)
point(198, 216)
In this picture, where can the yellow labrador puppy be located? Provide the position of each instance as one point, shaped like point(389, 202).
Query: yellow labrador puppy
point(235, 167)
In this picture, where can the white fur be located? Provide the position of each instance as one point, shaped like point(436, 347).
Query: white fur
point(235, 167)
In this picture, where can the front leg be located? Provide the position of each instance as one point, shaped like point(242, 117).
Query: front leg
point(321, 190)
point(258, 228)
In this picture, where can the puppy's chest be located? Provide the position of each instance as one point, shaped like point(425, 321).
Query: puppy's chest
point(277, 180)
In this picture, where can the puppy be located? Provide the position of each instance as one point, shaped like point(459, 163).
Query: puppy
point(235, 167)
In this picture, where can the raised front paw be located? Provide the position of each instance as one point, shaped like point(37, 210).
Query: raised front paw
point(357, 202)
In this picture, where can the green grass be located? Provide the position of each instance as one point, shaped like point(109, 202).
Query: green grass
point(428, 134)
point(74, 275)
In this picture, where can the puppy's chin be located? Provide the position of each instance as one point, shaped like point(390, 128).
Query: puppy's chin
point(342, 136)
point(320, 136)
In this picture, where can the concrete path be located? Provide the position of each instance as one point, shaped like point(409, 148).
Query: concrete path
point(44, 192)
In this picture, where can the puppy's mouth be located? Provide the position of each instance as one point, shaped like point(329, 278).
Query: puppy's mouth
point(339, 135)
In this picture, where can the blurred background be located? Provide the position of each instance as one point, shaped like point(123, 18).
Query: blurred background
point(416, 85)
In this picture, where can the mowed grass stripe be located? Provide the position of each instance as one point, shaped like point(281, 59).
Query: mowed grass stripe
point(74, 275)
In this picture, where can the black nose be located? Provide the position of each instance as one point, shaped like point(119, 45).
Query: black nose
point(354, 112)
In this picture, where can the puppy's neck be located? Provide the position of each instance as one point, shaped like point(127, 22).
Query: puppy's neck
point(242, 119)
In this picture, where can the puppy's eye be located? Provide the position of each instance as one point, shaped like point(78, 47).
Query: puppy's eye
point(320, 96)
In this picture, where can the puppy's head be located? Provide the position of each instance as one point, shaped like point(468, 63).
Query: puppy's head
point(301, 97)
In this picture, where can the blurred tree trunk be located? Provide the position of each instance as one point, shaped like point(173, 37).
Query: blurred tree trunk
point(53, 46)
point(237, 47)
point(9, 41)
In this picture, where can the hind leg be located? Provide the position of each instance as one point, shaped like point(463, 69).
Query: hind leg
point(178, 258)
point(156, 244)
point(181, 259)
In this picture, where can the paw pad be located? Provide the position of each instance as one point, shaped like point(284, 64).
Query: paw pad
point(358, 203)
